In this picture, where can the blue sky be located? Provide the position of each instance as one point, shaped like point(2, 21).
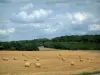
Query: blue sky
point(31, 19)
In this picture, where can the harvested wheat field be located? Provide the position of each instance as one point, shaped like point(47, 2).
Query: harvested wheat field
point(48, 62)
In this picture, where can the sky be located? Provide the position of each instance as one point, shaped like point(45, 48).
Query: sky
point(33, 19)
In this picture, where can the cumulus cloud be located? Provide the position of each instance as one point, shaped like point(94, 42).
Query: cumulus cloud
point(74, 18)
point(80, 16)
point(6, 32)
point(50, 29)
point(35, 16)
point(75, 23)
point(47, 28)
point(94, 27)
point(28, 6)
point(49, 18)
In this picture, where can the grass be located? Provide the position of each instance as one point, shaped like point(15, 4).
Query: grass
point(88, 73)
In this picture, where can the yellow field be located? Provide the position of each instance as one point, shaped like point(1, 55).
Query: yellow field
point(51, 62)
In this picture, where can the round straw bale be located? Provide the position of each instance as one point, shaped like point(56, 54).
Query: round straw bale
point(63, 58)
point(38, 65)
point(81, 60)
point(25, 59)
point(60, 54)
point(37, 59)
point(27, 64)
point(72, 63)
point(14, 58)
point(5, 59)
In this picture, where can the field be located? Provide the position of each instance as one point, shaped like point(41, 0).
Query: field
point(52, 62)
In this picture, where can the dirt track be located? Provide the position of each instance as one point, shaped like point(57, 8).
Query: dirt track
point(51, 62)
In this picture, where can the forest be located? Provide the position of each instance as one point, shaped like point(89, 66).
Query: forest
point(73, 42)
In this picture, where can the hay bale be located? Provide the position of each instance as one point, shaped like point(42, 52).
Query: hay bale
point(5, 59)
point(27, 64)
point(60, 55)
point(23, 54)
point(25, 59)
point(38, 65)
point(81, 60)
point(37, 59)
point(72, 63)
point(63, 58)
point(14, 58)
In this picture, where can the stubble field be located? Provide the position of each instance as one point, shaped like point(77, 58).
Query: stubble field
point(50, 62)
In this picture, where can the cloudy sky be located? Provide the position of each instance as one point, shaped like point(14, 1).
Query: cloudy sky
point(31, 19)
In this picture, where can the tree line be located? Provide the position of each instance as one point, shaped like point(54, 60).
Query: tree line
point(73, 42)
point(24, 45)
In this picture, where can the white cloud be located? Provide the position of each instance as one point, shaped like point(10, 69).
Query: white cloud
point(46, 28)
point(74, 18)
point(11, 30)
point(50, 29)
point(29, 15)
point(3, 33)
point(94, 27)
point(34, 16)
point(53, 28)
point(28, 6)
point(80, 16)
point(22, 16)
point(59, 24)
point(6, 32)
point(37, 18)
